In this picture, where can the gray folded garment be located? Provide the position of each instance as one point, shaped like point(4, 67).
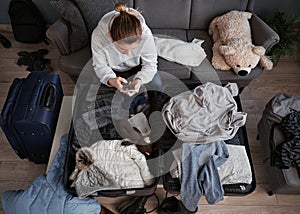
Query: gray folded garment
point(135, 128)
point(140, 122)
point(235, 170)
point(175, 50)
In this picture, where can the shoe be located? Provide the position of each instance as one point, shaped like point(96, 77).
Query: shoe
point(135, 205)
point(174, 206)
point(4, 41)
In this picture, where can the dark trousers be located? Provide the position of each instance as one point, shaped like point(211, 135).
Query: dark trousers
point(152, 89)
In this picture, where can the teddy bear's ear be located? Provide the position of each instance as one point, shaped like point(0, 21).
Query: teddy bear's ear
point(259, 50)
point(227, 50)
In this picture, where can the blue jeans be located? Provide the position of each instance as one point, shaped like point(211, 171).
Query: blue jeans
point(200, 173)
point(152, 87)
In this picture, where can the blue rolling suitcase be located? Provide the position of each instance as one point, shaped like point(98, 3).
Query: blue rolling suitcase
point(30, 114)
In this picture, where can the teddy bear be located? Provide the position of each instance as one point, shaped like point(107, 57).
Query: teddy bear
point(233, 48)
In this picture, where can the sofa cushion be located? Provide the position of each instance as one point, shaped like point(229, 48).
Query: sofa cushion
point(204, 11)
point(165, 13)
point(74, 63)
point(175, 69)
point(69, 12)
point(93, 10)
point(206, 73)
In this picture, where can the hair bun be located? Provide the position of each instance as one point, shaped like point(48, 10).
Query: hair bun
point(120, 7)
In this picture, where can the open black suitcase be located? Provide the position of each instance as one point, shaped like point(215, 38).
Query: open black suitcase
point(77, 132)
point(30, 113)
point(160, 147)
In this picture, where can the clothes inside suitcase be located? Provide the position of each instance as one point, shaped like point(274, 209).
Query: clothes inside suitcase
point(160, 147)
point(172, 185)
point(281, 179)
point(93, 133)
point(73, 146)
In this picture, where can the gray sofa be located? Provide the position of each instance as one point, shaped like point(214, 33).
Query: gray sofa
point(182, 19)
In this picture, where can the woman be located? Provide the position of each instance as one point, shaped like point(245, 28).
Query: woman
point(123, 47)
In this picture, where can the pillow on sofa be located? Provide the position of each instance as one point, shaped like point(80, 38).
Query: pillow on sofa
point(92, 11)
point(68, 11)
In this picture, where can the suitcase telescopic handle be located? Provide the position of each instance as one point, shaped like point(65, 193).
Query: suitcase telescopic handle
point(48, 97)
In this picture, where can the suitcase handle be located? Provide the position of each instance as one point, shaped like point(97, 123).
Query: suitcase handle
point(11, 98)
point(48, 99)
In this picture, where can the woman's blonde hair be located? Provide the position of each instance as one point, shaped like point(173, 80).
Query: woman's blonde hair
point(126, 27)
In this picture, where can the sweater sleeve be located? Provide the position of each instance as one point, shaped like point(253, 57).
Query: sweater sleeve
point(100, 63)
point(148, 57)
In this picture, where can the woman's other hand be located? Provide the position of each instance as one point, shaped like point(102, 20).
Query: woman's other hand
point(117, 83)
point(136, 85)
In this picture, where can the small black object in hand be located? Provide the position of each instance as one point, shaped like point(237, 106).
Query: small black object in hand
point(127, 87)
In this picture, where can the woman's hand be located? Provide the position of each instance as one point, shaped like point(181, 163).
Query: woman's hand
point(117, 83)
point(136, 85)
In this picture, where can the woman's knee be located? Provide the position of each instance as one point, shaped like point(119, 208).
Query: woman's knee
point(156, 83)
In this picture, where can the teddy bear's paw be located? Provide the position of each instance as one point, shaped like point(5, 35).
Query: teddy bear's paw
point(220, 64)
point(266, 63)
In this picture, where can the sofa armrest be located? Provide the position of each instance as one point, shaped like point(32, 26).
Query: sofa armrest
point(262, 33)
point(58, 34)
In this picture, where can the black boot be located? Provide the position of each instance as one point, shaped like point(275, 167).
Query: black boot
point(135, 205)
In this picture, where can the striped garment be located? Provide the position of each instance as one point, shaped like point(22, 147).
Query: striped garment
point(287, 154)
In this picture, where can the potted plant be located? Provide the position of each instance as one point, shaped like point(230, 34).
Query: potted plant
point(289, 37)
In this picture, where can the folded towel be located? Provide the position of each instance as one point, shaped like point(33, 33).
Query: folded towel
point(185, 53)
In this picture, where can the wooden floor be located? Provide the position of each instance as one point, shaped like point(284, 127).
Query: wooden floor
point(18, 174)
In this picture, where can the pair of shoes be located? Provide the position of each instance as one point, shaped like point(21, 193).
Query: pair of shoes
point(4, 41)
point(174, 206)
point(34, 60)
point(135, 205)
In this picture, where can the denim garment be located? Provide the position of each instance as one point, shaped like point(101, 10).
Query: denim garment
point(200, 173)
point(47, 193)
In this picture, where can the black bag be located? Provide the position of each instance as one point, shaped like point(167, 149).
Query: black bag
point(279, 110)
point(27, 21)
point(287, 153)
